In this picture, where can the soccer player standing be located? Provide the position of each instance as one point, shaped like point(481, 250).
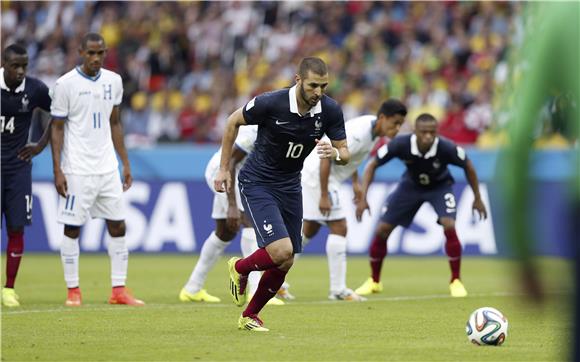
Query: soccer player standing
point(291, 123)
point(21, 95)
point(427, 179)
point(87, 130)
point(321, 182)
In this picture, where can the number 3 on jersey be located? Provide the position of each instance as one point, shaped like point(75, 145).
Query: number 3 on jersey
point(8, 126)
point(294, 150)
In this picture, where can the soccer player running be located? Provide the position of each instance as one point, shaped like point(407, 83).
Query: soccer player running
point(226, 212)
point(291, 122)
point(87, 130)
point(21, 95)
point(321, 182)
point(427, 179)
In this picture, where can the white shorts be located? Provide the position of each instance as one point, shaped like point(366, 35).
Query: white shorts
point(220, 199)
point(311, 202)
point(98, 196)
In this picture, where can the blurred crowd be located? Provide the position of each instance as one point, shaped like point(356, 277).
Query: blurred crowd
point(187, 65)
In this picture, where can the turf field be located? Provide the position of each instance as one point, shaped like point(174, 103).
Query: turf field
point(414, 319)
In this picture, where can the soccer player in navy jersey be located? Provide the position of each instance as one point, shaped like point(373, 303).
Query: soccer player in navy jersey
point(291, 122)
point(427, 179)
point(21, 95)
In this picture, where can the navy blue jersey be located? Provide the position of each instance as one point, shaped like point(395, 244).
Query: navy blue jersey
point(17, 107)
point(428, 170)
point(285, 137)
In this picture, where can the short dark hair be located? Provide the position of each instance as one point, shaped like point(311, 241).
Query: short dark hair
point(91, 37)
point(13, 49)
point(425, 117)
point(313, 64)
point(391, 107)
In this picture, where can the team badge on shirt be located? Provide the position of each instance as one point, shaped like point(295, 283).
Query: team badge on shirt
point(436, 164)
point(24, 103)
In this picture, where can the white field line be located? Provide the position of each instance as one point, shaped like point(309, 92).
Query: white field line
point(226, 304)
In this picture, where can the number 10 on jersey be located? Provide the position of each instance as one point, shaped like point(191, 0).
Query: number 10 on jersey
point(294, 150)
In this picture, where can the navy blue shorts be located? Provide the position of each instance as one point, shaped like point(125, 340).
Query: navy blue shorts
point(17, 198)
point(405, 201)
point(275, 214)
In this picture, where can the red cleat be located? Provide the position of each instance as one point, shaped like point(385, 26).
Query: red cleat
point(121, 295)
point(73, 299)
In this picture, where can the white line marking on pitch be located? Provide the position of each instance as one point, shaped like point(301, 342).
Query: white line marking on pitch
point(96, 307)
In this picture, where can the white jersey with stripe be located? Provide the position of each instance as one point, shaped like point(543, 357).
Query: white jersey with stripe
point(360, 140)
point(86, 103)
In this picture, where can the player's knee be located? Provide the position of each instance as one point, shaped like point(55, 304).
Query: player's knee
point(384, 230)
point(15, 230)
point(226, 234)
point(285, 266)
point(310, 228)
point(338, 227)
point(281, 254)
point(116, 228)
point(71, 231)
point(447, 223)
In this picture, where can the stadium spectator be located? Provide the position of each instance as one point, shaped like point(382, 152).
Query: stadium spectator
point(383, 49)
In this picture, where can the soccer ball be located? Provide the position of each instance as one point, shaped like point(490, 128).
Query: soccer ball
point(487, 326)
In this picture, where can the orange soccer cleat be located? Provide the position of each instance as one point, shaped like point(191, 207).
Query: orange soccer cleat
point(73, 298)
point(121, 295)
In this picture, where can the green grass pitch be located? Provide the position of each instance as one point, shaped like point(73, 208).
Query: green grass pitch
point(414, 319)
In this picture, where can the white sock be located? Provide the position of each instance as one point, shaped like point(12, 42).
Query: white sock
point(212, 249)
point(249, 245)
point(69, 255)
point(336, 253)
point(119, 256)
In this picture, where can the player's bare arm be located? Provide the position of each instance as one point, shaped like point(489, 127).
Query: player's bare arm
point(223, 180)
point(32, 149)
point(356, 187)
point(478, 204)
point(368, 176)
point(56, 141)
point(336, 150)
point(119, 144)
point(234, 216)
point(324, 204)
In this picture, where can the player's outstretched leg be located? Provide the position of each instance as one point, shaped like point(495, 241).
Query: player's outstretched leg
point(193, 291)
point(14, 252)
point(270, 282)
point(453, 250)
point(249, 245)
point(377, 253)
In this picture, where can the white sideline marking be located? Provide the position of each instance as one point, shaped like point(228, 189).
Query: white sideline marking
point(226, 304)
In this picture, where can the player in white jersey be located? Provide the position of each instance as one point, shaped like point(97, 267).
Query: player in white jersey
point(86, 132)
point(321, 180)
point(227, 212)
